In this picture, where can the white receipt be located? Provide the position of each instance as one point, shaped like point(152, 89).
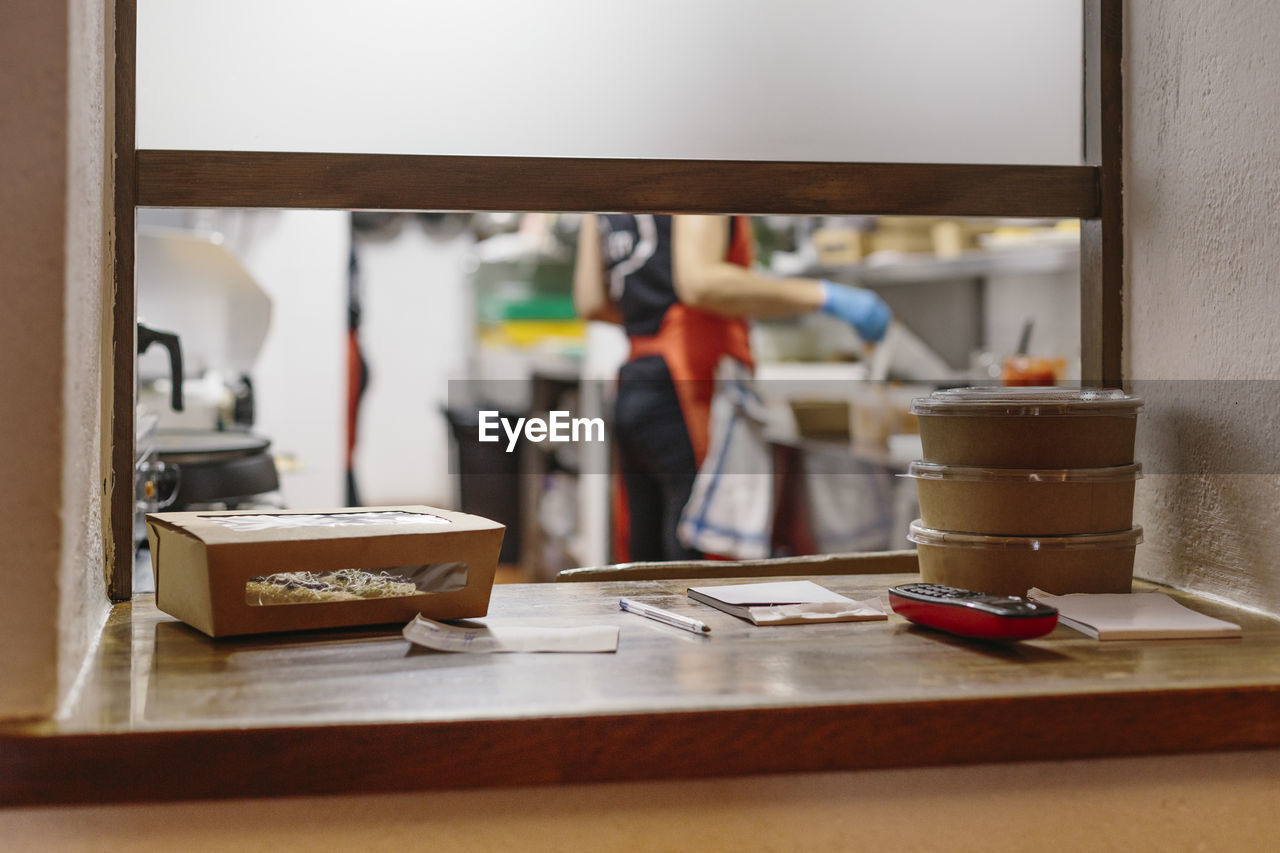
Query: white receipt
point(488, 638)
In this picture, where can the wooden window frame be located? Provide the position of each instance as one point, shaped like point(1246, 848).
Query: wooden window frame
point(1091, 192)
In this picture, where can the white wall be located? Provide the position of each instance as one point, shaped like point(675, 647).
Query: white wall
point(417, 329)
point(299, 257)
point(298, 260)
point(1202, 182)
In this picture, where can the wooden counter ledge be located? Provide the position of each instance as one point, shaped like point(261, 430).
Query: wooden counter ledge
point(168, 713)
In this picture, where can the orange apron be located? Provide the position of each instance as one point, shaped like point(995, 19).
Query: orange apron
point(692, 342)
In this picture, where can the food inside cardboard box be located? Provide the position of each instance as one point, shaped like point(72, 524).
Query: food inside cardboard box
point(236, 572)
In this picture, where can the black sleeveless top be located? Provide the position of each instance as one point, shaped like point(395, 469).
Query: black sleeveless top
point(637, 255)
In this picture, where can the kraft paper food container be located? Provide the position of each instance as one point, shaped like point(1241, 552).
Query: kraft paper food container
point(1011, 565)
point(1028, 427)
point(1023, 501)
point(213, 569)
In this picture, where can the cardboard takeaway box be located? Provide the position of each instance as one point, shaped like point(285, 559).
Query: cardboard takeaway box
point(204, 562)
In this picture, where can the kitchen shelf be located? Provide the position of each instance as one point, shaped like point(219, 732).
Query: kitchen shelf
point(981, 263)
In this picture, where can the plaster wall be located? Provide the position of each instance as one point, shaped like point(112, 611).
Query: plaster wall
point(52, 239)
point(34, 141)
point(1202, 180)
point(82, 600)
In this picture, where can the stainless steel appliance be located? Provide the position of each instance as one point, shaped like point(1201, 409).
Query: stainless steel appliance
point(195, 416)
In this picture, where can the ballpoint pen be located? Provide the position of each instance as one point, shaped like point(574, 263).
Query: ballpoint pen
point(675, 620)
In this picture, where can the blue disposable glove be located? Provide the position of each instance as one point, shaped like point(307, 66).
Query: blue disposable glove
point(860, 308)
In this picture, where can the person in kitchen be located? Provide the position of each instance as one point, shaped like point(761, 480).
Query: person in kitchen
point(683, 289)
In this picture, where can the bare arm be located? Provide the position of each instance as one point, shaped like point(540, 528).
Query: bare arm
point(590, 290)
point(704, 279)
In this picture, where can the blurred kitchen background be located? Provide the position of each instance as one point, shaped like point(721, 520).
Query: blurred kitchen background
point(301, 330)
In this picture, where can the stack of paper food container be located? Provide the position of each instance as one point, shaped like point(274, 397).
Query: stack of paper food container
point(1027, 487)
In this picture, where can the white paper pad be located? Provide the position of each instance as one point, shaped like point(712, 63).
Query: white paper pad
point(786, 603)
point(1133, 616)
point(489, 638)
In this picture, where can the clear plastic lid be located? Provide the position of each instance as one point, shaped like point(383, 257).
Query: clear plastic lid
point(958, 473)
point(922, 535)
point(1028, 401)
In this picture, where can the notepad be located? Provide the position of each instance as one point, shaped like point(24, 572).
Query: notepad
point(1133, 616)
point(786, 603)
